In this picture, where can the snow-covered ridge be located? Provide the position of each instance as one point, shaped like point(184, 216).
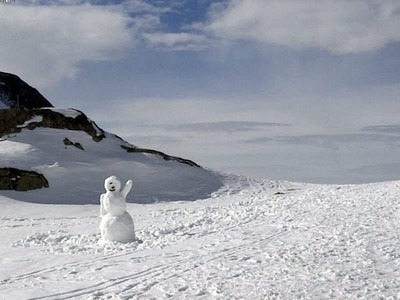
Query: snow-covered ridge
point(74, 154)
point(67, 112)
point(13, 120)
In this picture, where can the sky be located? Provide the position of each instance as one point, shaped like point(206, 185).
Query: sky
point(300, 90)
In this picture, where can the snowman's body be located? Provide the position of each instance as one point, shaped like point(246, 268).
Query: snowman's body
point(116, 224)
point(117, 228)
point(113, 203)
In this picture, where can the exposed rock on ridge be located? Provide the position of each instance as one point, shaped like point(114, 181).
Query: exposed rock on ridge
point(133, 149)
point(14, 120)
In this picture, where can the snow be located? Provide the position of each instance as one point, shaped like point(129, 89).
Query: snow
point(67, 112)
point(117, 228)
point(10, 151)
point(76, 176)
point(205, 235)
point(35, 119)
point(249, 240)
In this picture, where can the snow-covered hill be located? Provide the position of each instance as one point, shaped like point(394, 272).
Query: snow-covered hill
point(249, 240)
point(75, 156)
point(60, 156)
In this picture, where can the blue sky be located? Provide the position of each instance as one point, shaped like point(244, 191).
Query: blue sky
point(301, 90)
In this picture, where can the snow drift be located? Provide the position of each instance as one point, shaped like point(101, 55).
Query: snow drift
point(251, 240)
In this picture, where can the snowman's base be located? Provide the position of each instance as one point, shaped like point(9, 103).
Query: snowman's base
point(117, 228)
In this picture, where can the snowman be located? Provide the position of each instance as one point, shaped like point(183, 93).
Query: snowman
point(116, 224)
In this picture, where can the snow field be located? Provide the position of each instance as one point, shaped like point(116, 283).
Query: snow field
point(250, 240)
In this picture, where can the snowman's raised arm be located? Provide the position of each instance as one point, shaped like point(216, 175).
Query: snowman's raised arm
point(102, 209)
point(127, 188)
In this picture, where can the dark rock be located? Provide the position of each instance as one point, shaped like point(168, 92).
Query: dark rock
point(16, 93)
point(52, 119)
point(133, 149)
point(279, 193)
point(12, 121)
point(67, 142)
point(11, 118)
point(21, 180)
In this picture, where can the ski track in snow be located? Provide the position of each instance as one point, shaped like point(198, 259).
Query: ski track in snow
point(250, 240)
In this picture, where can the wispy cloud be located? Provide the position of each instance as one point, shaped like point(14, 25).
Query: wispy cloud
point(141, 6)
point(338, 26)
point(226, 126)
point(251, 71)
point(47, 43)
point(385, 129)
point(177, 41)
point(332, 141)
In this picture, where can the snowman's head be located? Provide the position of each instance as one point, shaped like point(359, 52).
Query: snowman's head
point(112, 184)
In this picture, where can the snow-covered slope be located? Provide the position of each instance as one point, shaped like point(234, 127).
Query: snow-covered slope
point(76, 162)
point(250, 240)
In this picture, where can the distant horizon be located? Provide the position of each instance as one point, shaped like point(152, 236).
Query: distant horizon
point(302, 91)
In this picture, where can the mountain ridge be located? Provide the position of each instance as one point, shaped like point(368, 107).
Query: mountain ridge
point(64, 145)
point(16, 93)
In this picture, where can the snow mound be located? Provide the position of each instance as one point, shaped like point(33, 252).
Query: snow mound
point(60, 242)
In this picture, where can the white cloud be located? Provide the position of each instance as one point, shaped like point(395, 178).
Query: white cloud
point(45, 44)
point(328, 136)
point(333, 141)
point(177, 41)
point(339, 26)
point(140, 6)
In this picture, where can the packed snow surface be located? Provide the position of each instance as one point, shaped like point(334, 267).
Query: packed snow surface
point(249, 240)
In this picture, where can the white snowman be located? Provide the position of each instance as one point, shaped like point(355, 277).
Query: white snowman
point(116, 224)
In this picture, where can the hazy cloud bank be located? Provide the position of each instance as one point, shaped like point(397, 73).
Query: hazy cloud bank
point(338, 26)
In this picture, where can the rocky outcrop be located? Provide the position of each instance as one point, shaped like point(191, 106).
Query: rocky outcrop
point(68, 142)
point(16, 93)
point(21, 180)
point(14, 120)
point(132, 149)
